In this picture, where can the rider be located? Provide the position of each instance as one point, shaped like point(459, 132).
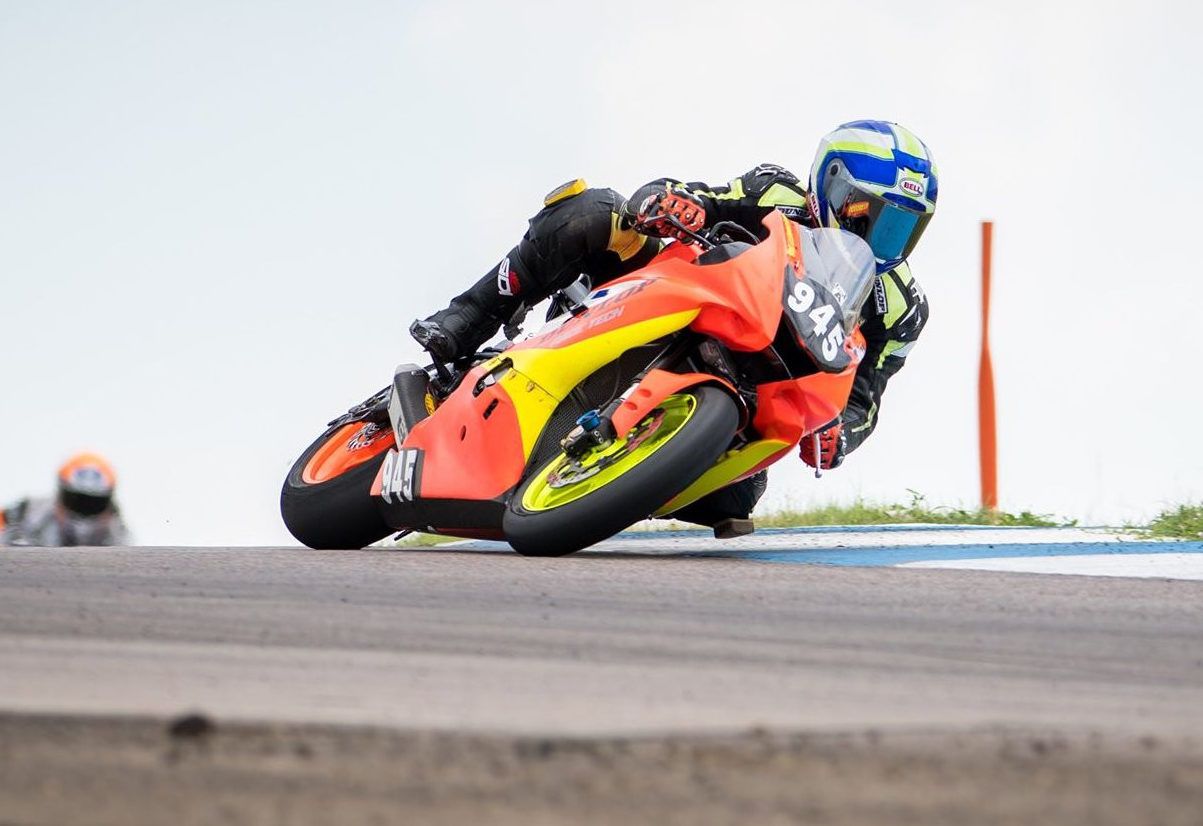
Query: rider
point(873, 178)
point(82, 512)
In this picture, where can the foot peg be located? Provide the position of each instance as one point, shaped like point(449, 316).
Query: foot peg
point(731, 528)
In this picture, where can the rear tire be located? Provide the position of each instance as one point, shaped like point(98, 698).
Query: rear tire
point(334, 508)
point(635, 494)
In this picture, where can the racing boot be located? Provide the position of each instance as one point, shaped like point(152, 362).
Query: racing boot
point(727, 510)
point(472, 318)
point(456, 332)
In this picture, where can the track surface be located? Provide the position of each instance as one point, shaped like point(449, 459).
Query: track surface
point(601, 646)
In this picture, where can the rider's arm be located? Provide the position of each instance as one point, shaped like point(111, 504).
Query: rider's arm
point(894, 316)
point(748, 198)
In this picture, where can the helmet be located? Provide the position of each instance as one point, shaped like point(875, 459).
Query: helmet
point(876, 180)
point(85, 484)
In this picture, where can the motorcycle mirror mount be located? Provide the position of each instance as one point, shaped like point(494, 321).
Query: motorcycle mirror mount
point(576, 293)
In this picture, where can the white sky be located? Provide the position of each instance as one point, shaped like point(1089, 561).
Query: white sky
point(217, 220)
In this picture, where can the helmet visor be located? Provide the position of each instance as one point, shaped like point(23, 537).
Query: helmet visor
point(895, 230)
point(84, 504)
point(892, 230)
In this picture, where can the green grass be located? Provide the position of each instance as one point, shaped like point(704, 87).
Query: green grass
point(1183, 522)
point(917, 511)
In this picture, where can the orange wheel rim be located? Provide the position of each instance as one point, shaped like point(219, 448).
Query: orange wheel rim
point(348, 447)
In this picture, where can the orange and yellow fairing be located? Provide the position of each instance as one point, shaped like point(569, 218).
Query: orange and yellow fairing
point(485, 432)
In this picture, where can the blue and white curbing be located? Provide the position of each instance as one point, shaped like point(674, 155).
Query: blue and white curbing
point(1070, 550)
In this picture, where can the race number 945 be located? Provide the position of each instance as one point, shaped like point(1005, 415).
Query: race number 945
point(802, 301)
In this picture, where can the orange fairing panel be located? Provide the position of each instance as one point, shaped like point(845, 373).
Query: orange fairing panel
point(657, 386)
point(751, 284)
point(738, 301)
point(786, 410)
point(475, 438)
point(790, 409)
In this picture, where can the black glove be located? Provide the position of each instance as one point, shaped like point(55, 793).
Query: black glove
point(650, 216)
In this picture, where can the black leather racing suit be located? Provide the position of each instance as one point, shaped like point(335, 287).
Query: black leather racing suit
point(583, 230)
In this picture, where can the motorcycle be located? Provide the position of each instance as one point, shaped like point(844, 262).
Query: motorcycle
point(646, 394)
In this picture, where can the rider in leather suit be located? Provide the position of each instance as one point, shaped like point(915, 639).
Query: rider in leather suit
point(873, 178)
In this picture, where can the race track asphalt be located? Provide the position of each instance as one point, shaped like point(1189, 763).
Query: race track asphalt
point(605, 648)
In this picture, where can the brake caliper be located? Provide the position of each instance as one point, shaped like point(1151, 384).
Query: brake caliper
point(591, 431)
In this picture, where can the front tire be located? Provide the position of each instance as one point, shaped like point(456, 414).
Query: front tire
point(326, 501)
point(563, 507)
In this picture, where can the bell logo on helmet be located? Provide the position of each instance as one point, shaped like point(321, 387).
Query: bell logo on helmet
point(912, 186)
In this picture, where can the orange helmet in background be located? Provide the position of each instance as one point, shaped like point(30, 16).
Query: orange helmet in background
point(85, 484)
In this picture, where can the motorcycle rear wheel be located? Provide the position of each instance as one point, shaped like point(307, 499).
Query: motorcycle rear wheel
point(565, 506)
point(326, 501)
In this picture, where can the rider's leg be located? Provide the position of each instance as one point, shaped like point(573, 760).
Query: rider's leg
point(574, 233)
point(734, 502)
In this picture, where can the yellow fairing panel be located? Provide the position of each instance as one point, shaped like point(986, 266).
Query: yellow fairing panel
point(532, 403)
point(559, 370)
point(730, 466)
point(541, 378)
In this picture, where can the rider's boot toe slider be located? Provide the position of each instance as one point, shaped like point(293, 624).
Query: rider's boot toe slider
point(731, 528)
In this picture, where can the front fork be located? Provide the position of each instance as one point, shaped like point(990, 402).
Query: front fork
point(651, 386)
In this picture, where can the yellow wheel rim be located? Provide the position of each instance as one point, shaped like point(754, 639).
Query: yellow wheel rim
point(564, 479)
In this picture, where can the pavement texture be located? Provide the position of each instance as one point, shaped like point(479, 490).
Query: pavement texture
point(287, 686)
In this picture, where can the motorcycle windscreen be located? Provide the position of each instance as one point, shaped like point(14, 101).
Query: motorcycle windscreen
point(823, 303)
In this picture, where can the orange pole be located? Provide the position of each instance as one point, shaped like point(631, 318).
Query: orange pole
point(987, 444)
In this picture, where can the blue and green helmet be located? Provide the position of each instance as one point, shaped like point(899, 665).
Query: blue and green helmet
point(878, 180)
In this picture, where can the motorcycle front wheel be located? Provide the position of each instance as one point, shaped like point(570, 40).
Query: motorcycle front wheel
point(326, 501)
point(571, 503)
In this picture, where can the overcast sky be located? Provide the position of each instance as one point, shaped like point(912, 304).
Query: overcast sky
point(217, 220)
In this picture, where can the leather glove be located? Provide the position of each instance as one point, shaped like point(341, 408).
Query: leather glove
point(652, 213)
point(832, 445)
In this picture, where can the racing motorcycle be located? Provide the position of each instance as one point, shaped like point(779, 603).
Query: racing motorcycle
point(644, 395)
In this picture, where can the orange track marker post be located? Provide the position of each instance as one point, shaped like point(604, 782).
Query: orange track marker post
point(987, 444)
